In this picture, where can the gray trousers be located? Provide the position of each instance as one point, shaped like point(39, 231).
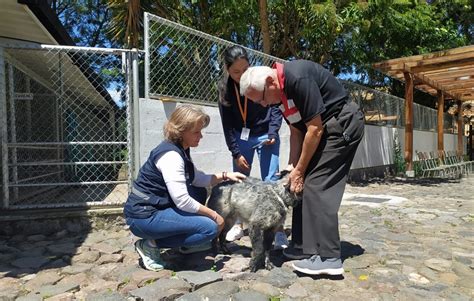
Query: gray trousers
point(315, 221)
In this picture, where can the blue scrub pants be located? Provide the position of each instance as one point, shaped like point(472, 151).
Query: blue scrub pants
point(268, 155)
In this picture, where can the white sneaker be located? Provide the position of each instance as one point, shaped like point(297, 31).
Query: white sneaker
point(281, 242)
point(235, 233)
point(151, 257)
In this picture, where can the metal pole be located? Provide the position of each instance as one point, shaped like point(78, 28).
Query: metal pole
point(4, 129)
point(136, 113)
point(147, 54)
point(60, 114)
point(11, 93)
point(130, 125)
point(28, 110)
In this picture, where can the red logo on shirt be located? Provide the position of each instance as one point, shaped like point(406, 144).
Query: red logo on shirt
point(288, 108)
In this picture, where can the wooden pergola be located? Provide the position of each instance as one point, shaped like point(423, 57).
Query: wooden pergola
point(448, 75)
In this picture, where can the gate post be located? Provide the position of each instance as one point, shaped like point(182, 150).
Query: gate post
point(136, 113)
point(146, 33)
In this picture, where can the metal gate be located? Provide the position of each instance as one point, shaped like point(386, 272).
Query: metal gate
point(65, 115)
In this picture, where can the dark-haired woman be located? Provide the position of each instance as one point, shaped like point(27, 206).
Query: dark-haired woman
point(248, 128)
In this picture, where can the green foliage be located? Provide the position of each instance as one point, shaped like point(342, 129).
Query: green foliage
point(347, 36)
point(417, 168)
point(398, 159)
point(380, 30)
point(86, 21)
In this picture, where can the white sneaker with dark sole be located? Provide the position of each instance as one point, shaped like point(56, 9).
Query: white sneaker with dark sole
point(319, 266)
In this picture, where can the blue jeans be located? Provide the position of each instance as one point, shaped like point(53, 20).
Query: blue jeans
point(172, 227)
point(268, 155)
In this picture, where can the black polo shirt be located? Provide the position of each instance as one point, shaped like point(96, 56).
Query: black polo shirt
point(313, 90)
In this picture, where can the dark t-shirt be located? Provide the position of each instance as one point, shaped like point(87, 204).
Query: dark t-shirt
point(313, 90)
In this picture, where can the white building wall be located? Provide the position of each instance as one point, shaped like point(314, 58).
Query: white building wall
point(212, 155)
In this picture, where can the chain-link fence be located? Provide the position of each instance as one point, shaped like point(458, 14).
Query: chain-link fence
point(68, 126)
point(385, 109)
point(184, 64)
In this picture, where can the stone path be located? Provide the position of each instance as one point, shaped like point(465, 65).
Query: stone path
point(402, 240)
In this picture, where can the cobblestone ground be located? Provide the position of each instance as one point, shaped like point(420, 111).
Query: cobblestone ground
point(402, 240)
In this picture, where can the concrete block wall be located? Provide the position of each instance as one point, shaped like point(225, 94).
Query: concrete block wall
point(212, 155)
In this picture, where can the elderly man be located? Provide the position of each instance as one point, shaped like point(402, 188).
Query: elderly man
point(325, 130)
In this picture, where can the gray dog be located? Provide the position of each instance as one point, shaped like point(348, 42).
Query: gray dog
point(261, 205)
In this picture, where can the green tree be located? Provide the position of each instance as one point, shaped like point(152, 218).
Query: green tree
point(380, 30)
point(86, 21)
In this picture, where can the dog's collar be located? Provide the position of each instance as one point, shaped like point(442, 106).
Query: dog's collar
point(279, 198)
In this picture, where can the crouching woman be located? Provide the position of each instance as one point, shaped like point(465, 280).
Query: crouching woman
point(166, 204)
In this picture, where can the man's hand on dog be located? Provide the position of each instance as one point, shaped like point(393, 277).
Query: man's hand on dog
point(296, 181)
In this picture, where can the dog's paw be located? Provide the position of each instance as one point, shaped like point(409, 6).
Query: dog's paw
point(255, 266)
point(269, 266)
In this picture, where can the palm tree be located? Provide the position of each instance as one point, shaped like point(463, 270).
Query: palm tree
point(262, 7)
point(127, 21)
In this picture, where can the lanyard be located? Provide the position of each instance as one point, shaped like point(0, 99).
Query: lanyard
point(290, 113)
point(244, 111)
point(281, 81)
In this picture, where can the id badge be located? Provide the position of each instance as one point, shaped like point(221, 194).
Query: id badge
point(245, 134)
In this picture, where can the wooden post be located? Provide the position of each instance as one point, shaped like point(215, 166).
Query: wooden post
point(471, 135)
point(440, 123)
point(460, 129)
point(408, 121)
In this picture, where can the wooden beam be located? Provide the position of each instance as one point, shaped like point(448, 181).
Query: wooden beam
point(451, 74)
point(435, 85)
point(440, 122)
point(460, 59)
point(467, 69)
point(408, 121)
point(462, 84)
point(394, 62)
point(444, 66)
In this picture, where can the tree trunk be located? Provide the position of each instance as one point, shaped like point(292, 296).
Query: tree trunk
point(262, 7)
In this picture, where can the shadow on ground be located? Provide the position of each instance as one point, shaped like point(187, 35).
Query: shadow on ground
point(403, 181)
point(30, 246)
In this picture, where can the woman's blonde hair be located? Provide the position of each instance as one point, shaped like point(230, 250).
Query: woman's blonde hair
point(184, 118)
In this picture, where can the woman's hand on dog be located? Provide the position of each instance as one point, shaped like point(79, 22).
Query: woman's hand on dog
point(236, 176)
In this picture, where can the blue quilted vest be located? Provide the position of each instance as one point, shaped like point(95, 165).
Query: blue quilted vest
point(149, 191)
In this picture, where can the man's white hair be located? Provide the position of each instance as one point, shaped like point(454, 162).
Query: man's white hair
point(254, 78)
